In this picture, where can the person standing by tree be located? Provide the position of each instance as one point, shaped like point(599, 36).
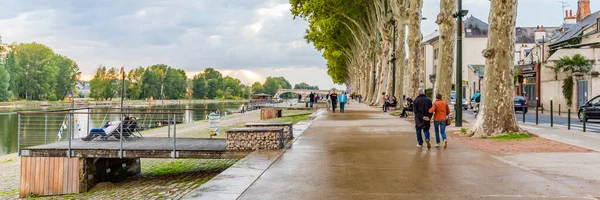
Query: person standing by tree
point(334, 99)
point(384, 101)
point(421, 108)
point(343, 98)
point(441, 110)
point(311, 97)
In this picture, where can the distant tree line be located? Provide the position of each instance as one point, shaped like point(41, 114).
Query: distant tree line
point(305, 86)
point(271, 85)
point(33, 71)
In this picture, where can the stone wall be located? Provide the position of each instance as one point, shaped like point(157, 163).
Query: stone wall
point(270, 113)
point(249, 139)
point(287, 127)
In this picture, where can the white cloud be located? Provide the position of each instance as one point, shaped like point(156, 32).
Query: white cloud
point(140, 13)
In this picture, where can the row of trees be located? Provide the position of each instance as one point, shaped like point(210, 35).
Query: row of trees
point(356, 38)
point(163, 81)
point(33, 71)
point(306, 86)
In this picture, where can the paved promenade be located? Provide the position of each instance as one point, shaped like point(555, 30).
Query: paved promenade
point(366, 154)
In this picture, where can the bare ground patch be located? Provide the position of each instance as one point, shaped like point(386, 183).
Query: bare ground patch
point(533, 144)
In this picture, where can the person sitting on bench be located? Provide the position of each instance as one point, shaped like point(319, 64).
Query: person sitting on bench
point(407, 108)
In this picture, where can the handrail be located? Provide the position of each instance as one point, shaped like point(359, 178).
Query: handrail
point(138, 113)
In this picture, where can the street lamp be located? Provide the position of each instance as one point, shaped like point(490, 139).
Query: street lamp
point(459, 22)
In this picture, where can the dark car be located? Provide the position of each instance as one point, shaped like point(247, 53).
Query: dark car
point(592, 109)
point(520, 103)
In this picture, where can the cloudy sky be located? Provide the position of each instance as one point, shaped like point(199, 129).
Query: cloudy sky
point(247, 39)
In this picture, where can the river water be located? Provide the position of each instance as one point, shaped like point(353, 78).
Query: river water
point(39, 125)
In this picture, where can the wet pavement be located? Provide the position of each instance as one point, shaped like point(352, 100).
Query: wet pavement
point(364, 153)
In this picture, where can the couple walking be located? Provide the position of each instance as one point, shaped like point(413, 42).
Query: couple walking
point(424, 109)
point(335, 98)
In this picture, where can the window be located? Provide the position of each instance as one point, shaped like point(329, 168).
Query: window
point(595, 101)
point(435, 54)
point(527, 52)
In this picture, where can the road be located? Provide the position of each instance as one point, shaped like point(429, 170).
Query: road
point(559, 121)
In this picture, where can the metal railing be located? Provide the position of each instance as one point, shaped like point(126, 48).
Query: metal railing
point(37, 128)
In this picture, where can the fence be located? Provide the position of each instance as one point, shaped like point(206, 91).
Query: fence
point(47, 127)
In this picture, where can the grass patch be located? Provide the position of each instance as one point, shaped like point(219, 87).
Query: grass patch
point(179, 166)
point(293, 118)
point(7, 160)
point(463, 130)
point(512, 136)
point(9, 193)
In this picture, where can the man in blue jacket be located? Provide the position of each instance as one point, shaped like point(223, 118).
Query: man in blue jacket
point(342, 98)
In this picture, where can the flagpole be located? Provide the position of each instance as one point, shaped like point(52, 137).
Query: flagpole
point(123, 85)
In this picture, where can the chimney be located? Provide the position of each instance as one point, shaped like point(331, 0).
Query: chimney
point(570, 13)
point(570, 19)
point(583, 9)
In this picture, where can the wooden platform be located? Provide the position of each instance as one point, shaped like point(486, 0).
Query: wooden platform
point(149, 147)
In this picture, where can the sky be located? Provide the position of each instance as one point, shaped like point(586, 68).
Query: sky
point(246, 39)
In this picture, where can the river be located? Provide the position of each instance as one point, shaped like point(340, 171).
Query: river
point(9, 123)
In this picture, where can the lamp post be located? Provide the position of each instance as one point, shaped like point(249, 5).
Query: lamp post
point(459, 15)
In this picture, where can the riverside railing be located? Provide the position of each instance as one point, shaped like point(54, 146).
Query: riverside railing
point(67, 125)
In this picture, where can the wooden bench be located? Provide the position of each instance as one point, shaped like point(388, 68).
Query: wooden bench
point(288, 127)
point(249, 139)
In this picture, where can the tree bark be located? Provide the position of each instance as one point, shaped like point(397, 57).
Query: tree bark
point(443, 73)
point(414, 41)
point(499, 117)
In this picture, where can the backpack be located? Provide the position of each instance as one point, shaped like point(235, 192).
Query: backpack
point(478, 99)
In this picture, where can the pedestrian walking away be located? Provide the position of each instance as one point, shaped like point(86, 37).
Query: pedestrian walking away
point(421, 108)
point(347, 98)
point(342, 98)
point(334, 99)
point(311, 99)
point(441, 111)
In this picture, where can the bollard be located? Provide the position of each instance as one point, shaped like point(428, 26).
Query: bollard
point(584, 119)
point(523, 109)
point(537, 108)
point(551, 114)
point(569, 119)
point(559, 109)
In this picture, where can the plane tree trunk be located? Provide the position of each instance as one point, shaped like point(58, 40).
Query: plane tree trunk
point(414, 41)
point(443, 73)
point(498, 117)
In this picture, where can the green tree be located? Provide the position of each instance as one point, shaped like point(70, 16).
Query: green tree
point(152, 81)
point(15, 72)
point(233, 84)
point(68, 73)
point(257, 88)
point(97, 84)
point(570, 65)
point(37, 75)
point(175, 83)
point(210, 73)
point(5, 94)
point(199, 86)
point(271, 86)
point(212, 86)
point(134, 77)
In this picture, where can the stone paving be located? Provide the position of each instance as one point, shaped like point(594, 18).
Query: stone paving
point(366, 154)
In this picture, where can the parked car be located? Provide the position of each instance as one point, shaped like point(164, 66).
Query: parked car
point(520, 103)
point(465, 105)
point(592, 109)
